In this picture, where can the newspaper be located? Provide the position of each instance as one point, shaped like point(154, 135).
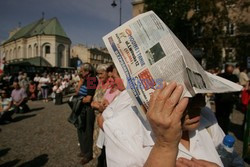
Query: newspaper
point(146, 52)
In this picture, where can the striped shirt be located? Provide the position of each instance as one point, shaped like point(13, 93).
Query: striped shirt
point(88, 87)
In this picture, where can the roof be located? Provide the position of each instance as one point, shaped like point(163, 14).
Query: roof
point(37, 61)
point(40, 27)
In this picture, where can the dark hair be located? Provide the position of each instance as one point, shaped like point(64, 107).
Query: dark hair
point(242, 68)
point(4, 91)
point(110, 68)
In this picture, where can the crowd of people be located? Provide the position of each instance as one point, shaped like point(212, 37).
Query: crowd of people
point(179, 131)
point(225, 102)
point(16, 90)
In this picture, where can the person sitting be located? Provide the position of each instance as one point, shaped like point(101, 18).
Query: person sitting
point(6, 107)
point(19, 97)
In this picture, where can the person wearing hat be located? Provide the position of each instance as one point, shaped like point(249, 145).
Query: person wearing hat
point(129, 137)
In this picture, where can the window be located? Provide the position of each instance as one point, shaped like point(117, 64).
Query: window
point(47, 49)
point(230, 29)
point(229, 54)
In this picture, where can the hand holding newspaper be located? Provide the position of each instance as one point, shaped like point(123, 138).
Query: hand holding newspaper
point(146, 52)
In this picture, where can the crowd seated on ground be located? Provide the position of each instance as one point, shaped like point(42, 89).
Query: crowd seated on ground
point(18, 89)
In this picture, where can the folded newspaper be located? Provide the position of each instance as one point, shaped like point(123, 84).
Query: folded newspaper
point(146, 52)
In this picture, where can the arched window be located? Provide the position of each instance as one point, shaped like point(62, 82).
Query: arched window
point(60, 55)
point(10, 54)
point(35, 53)
point(7, 55)
point(47, 49)
point(29, 51)
point(14, 53)
point(19, 54)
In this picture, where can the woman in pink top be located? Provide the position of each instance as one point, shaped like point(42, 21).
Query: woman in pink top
point(111, 92)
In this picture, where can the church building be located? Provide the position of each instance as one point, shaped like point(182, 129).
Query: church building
point(41, 43)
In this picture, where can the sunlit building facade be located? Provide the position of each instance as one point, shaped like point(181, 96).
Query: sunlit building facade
point(43, 42)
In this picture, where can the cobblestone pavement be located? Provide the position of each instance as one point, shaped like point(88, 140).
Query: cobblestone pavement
point(43, 137)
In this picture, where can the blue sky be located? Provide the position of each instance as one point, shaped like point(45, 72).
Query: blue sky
point(84, 21)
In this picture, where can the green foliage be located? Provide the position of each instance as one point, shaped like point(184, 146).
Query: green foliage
point(174, 14)
point(201, 24)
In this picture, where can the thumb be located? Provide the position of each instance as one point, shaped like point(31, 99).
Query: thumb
point(198, 161)
point(204, 163)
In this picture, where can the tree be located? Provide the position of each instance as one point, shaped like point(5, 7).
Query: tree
point(203, 24)
point(174, 14)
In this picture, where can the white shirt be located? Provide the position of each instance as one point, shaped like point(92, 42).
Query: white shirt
point(124, 133)
point(36, 79)
point(243, 79)
point(128, 142)
point(44, 81)
point(204, 140)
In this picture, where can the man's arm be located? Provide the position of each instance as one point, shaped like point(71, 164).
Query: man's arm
point(164, 114)
point(87, 99)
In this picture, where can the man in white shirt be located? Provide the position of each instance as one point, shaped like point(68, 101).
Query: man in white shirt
point(129, 141)
point(124, 132)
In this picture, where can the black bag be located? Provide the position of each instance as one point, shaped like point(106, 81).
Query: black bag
point(78, 111)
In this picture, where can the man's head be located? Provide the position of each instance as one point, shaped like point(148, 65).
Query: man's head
point(16, 85)
point(115, 77)
point(4, 94)
point(86, 70)
point(229, 69)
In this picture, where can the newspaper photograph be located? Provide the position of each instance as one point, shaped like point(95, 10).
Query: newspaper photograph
point(146, 53)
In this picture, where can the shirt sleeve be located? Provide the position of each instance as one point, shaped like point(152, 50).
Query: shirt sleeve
point(124, 140)
point(217, 133)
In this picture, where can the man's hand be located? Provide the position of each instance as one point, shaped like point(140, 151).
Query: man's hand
point(95, 105)
point(105, 103)
point(183, 162)
point(165, 113)
point(98, 106)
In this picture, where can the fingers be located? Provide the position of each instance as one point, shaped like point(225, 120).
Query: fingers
point(162, 95)
point(154, 96)
point(173, 99)
point(204, 163)
point(183, 162)
point(188, 163)
point(180, 164)
point(189, 121)
point(180, 108)
point(166, 99)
